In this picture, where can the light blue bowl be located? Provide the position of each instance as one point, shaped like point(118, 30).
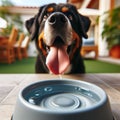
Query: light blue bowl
point(62, 100)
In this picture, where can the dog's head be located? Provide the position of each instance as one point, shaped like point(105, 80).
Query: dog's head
point(58, 29)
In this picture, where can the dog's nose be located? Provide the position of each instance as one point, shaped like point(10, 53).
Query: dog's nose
point(57, 19)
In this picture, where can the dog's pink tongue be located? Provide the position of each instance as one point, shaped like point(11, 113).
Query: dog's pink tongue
point(57, 60)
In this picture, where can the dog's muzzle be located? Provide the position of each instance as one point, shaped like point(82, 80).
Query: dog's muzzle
point(57, 20)
point(57, 25)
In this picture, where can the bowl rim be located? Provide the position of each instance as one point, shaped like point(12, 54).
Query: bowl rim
point(44, 110)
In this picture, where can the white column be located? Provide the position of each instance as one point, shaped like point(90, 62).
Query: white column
point(104, 5)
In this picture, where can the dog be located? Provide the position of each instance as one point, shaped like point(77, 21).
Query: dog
point(58, 30)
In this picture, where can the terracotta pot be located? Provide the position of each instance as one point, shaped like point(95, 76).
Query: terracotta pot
point(115, 51)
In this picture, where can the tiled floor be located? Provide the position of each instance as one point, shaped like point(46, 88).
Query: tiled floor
point(11, 84)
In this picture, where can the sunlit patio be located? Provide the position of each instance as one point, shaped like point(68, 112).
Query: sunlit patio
point(94, 10)
point(21, 47)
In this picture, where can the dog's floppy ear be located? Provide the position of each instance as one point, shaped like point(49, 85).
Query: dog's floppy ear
point(84, 24)
point(30, 25)
point(33, 24)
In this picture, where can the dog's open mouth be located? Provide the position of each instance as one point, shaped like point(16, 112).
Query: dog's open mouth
point(59, 53)
point(57, 59)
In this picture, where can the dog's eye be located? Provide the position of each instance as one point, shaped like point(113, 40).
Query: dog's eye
point(70, 17)
point(48, 14)
point(45, 17)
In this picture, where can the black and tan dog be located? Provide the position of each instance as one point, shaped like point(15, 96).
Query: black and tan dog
point(58, 30)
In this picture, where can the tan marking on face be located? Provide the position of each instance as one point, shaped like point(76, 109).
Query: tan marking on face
point(50, 9)
point(65, 9)
point(40, 43)
point(77, 38)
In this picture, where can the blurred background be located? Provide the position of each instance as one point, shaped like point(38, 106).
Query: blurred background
point(101, 51)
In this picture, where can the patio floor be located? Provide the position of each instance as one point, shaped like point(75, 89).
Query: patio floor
point(110, 60)
point(11, 84)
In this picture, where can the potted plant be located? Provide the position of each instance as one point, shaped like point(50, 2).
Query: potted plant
point(111, 32)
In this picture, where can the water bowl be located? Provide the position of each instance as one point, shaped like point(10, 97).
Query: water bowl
point(62, 100)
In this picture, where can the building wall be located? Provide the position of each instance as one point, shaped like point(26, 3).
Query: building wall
point(103, 7)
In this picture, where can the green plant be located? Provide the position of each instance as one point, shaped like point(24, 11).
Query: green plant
point(111, 31)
